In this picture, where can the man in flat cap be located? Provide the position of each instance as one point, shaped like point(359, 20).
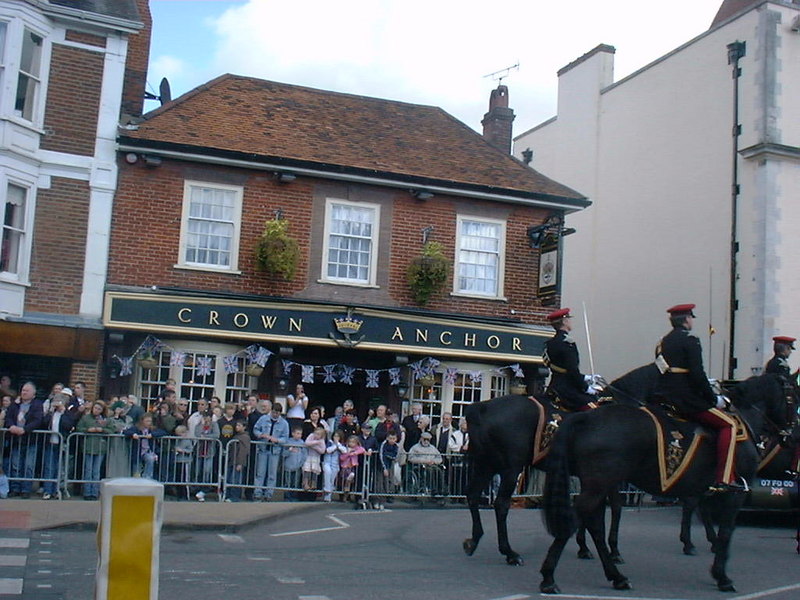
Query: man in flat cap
point(568, 386)
point(684, 384)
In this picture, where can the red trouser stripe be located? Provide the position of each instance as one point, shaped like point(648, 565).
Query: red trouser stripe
point(726, 441)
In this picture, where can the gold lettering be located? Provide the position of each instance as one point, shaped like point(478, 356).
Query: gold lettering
point(397, 335)
point(182, 313)
point(493, 341)
point(241, 320)
point(295, 324)
point(442, 340)
point(268, 322)
point(516, 344)
point(213, 318)
point(422, 335)
point(469, 340)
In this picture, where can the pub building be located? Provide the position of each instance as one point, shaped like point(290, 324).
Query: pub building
point(263, 235)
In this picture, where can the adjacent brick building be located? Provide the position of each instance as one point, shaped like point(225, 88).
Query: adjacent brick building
point(362, 183)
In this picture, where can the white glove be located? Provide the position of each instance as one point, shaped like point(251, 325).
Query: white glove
point(588, 378)
point(591, 391)
point(722, 401)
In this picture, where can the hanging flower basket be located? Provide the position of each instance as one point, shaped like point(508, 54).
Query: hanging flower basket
point(427, 380)
point(277, 253)
point(254, 370)
point(147, 361)
point(518, 387)
point(428, 273)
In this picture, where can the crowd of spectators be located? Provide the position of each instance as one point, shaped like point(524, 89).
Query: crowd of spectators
point(262, 447)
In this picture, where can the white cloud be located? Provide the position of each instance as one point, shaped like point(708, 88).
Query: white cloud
point(437, 52)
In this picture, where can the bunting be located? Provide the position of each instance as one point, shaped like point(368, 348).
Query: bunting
point(203, 366)
point(307, 373)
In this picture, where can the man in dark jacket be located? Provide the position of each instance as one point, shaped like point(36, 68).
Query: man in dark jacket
point(22, 418)
point(568, 386)
point(779, 364)
point(684, 385)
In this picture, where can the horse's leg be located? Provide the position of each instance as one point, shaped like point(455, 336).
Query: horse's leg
point(548, 569)
point(592, 512)
point(728, 507)
point(478, 481)
point(508, 481)
point(707, 518)
point(583, 549)
point(687, 510)
point(615, 503)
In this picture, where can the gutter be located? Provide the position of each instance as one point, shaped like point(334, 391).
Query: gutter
point(250, 161)
point(82, 16)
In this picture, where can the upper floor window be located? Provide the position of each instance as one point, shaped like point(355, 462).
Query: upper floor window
point(351, 242)
point(479, 257)
point(210, 226)
point(13, 233)
point(29, 72)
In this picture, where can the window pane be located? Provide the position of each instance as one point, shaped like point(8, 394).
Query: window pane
point(31, 53)
point(350, 242)
point(479, 257)
point(13, 231)
point(210, 228)
point(3, 27)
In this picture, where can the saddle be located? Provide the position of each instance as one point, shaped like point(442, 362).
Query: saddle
point(680, 439)
point(551, 414)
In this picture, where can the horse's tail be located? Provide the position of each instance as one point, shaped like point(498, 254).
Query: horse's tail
point(559, 516)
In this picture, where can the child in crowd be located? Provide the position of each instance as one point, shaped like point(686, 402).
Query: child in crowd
point(97, 427)
point(240, 451)
point(184, 448)
point(349, 461)
point(58, 421)
point(144, 452)
point(294, 457)
point(388, 469)
point(315, 442)
point(330, 464)
point(207, 432)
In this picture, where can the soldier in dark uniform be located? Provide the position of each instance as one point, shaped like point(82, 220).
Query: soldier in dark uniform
point(568, 386)
point(684, 385)
point(779, 364)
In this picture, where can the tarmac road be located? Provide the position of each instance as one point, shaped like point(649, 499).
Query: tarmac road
point(329, 552)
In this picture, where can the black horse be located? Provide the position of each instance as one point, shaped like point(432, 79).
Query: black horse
point(501, 441)
point(617, 443)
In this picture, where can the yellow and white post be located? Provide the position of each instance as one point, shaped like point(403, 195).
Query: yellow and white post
point(128, 537)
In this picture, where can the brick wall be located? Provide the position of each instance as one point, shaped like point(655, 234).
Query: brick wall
point(73, 100)
point(136, 63)
point(82, 37)
point(146, 234)
point(89, 373)
point(59, 243)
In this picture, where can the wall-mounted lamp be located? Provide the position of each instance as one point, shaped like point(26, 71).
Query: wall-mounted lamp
point(402, 390)
point(421, 194)
point(285, 176)
point(152, 161)
point(278, 214)
point(426, 233)
point(551, 226)
point(131, 158)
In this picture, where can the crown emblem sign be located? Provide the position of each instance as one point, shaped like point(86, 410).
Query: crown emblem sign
point(348, 325)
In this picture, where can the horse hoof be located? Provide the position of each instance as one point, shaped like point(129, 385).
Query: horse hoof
point(622, 584)
point(617, 559)
point(585, 554)
point(726, 587)
point(690, 551)
point(549, 588)
point(469, 547)
point(515, 561)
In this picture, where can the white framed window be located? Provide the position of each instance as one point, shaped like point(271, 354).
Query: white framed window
point(14, 232)
point(479, 257)
point(350, 251)
point(28, 79)
point(210, 226)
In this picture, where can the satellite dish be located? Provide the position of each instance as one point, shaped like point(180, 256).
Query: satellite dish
point(164, 93)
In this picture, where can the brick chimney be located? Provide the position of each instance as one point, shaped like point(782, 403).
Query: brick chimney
point(497, 122)
point(136, 63)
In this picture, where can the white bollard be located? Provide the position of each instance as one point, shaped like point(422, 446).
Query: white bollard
point(128, 537)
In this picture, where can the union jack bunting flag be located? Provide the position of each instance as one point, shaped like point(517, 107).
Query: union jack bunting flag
point(307, 373)
point(231, 364)
point(372, 378)
point(203, 366)
point(177, 359)
point(394, 376)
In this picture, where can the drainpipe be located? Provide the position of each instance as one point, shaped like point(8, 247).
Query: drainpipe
point(736, 51)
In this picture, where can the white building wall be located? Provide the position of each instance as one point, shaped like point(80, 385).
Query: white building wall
point(658, 232)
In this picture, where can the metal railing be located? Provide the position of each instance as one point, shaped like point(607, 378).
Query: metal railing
point(35, 456)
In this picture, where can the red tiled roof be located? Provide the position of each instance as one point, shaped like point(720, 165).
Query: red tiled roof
point(268, 119)
point(732, 7)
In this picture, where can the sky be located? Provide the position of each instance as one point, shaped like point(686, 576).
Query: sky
point(431, 52)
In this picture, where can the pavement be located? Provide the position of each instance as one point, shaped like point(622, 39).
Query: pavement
point(37, 514)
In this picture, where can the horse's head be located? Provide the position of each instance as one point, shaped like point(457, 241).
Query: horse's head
point(761, 400)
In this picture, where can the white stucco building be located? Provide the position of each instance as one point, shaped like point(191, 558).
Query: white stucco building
point(655, 153)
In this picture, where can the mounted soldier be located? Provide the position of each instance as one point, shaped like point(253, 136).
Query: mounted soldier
point(683, 384)
point(779, 364)
point(568, 388)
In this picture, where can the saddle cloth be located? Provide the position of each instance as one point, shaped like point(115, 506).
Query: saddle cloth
point(550, 416)
point(679, 440)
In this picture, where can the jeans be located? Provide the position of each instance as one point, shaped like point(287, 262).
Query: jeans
point(52, 452)
point(266, 466)
point(147, 463)
point(234, 479)
point(204, 469)
point(329, 473)
point(23, 463)
point(92, 466)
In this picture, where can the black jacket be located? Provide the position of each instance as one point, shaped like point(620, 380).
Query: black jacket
point(567, 382)
point(685, 385)
point(779, 366)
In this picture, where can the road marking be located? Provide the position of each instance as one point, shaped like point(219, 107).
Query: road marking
point(593, 597)
point(287, 579)
point(10, 586)
point(516, 597)
point(43, 543)
point(44, 571)
point(13, 560)
point(771, 592)
point(258, 558)
point(340, 524)
point(313, 598)
point(231, 539)
point(15, 542)
point(44, 585)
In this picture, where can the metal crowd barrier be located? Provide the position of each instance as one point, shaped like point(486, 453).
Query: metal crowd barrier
point(33, 457)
